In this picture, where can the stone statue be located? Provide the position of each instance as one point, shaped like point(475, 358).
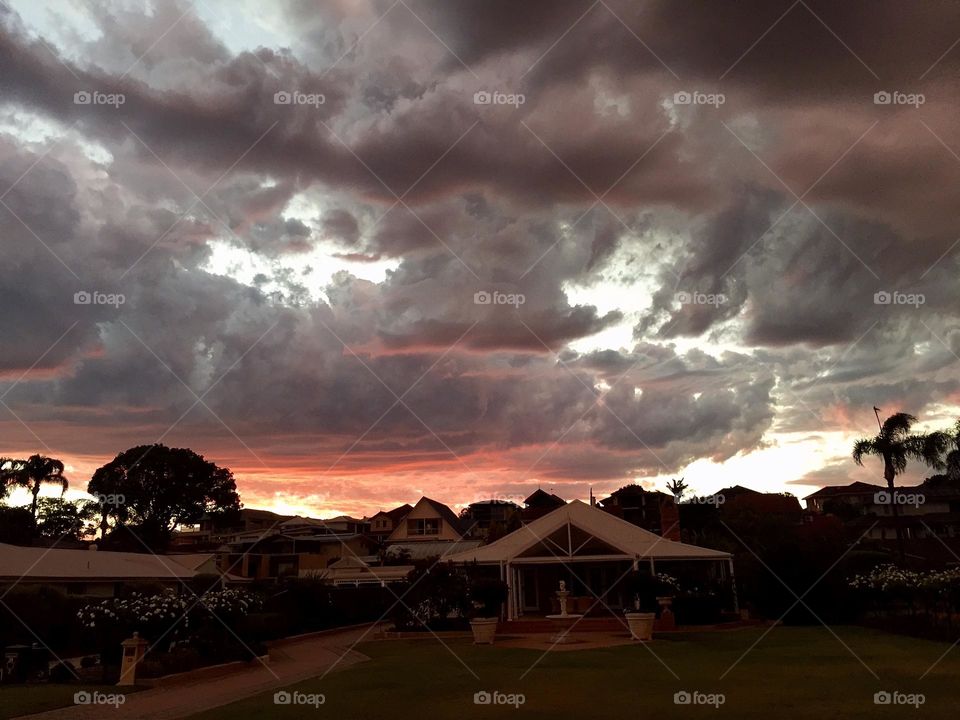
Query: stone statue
point(563, 586)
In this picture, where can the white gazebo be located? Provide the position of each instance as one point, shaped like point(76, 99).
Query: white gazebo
point(588, 546)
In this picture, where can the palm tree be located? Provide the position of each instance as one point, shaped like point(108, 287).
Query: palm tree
point(895, 445)
point(5, 464)
point(952, 462)
point(677, 487)
point(32, 474)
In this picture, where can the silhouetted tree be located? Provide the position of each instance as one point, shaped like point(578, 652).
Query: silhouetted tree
point(151, 489)
point(32, 474)
point(895, 445)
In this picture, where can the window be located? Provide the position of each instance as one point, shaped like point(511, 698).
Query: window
point(423, 526)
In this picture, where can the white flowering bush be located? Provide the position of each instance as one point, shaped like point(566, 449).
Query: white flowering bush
point(667, 584)
point(229, 603)
point(150, 615)
point(889, 586)
point(174, 619)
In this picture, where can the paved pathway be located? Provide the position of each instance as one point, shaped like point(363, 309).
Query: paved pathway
point(289, 664)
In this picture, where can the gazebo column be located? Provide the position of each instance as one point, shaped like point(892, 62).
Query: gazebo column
point(733, 586)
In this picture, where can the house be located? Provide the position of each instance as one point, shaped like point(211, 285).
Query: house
point(428, 520)
point(738, 497)
point(926, 511)
point(385, 522)
point(649, 509)
point(429, 530)
point(592, 551)
point(342, 524)
point(355, 571)
point(91, 572)
point(539, 503)
point(277, 554)
point(855, 498)
point(481, 517)
point(214, 530)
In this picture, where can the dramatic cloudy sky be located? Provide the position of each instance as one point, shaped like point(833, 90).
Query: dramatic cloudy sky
point(299, 279)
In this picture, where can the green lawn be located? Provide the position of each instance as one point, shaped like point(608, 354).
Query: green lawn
point(793, 673)
point(16, 700)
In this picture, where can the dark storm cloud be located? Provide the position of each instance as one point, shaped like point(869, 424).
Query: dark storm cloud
point(597, 165)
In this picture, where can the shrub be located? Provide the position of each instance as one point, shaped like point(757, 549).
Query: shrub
point(439, 599)
point(641, 589)
point(487, 596)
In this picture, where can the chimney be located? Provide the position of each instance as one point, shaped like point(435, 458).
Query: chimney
point(670, 519)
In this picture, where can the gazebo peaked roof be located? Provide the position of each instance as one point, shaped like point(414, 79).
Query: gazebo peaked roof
point(621, 536)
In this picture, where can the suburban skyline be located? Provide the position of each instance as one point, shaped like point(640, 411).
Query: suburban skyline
point(368, 251)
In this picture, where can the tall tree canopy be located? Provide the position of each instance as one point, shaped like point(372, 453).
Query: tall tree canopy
point(32, 474)
point(895, 444)
point(59, 518)
point(154, 488)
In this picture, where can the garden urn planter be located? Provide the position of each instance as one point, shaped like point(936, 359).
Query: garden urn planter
point(641, 625)
point(484, 630)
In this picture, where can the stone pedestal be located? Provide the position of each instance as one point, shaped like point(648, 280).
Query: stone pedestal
point(134, 649)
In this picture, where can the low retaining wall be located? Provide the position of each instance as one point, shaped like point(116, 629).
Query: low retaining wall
point(203, 673)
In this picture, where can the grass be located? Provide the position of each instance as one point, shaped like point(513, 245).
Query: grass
point(16, 700)
point(794, 673)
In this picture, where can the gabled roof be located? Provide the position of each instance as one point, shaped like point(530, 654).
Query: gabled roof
point(428, 549)
point(397, 514)
point(445, 512)
point(33, 563)
point(854, 488)
point(193, 561)
point(539, 498)
point(625, 537)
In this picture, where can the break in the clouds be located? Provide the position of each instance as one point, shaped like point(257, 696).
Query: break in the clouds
point(359, 250)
